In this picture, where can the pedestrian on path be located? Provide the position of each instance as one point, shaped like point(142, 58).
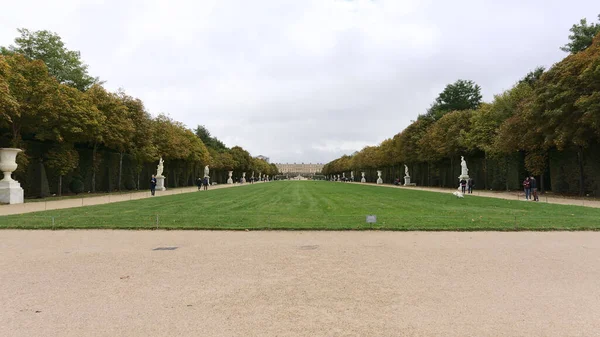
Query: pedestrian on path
point(471, 185)
point(205, 183)
point(463, 185)
point(533, 184)
point(527, 188)
point(153, 185)
point(199, 183)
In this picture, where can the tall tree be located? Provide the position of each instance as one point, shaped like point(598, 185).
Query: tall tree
point(62, 158)
point(568, 101)
point(141, 147)
point(208, 140)
point(533, 76)
point(28, 98)
point(581, 36)
point(460, 95)
point(64, 64)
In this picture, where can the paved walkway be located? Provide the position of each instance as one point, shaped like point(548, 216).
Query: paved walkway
point(513, 195)
point(37, 206)
point(299, 284)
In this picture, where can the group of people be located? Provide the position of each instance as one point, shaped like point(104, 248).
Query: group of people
point(530, 187)
point(467, 183)
point(202, 182)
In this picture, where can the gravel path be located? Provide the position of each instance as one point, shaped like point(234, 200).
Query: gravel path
point(112, 283)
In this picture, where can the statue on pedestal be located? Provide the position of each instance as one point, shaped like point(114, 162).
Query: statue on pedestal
point(159, 169)
point(463, 165)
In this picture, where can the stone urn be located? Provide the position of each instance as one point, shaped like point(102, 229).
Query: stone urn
point(363, 180)
point(10, 189)
point(243, 177)
point(8, 162)
point(229, 180)
point(379, 180)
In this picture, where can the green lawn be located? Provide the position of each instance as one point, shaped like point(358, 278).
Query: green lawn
point(316, 205)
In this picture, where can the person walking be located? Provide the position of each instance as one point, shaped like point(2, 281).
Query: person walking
point(205, 183)
point(471, 185)
point(153, 185)
point(463, 185)
point(533, 185)
point(527, 188)
point(199, 183)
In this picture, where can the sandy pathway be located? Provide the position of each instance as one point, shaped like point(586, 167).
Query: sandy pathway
point(111, 283)
point(513, 195)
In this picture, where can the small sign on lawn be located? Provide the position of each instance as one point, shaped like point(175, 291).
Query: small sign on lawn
point(371, 218)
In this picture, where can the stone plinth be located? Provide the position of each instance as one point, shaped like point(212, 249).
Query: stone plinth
point(230, 181)
point(407, 181)
point(160, 183)
point(363, 180)
point(11, 192)
point(379, 181)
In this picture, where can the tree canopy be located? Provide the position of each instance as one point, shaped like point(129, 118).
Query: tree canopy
point(581, 37)
point(460, 95)
point(63, 64)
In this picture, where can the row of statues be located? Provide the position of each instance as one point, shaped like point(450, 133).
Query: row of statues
point(160, 168)
point(463, 164)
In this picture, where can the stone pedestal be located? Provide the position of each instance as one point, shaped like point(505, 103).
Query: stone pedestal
point(229, 180)
point(160, 183)
point(11, 192)
point(363, 180)
point(379, 181)
point(406, 181)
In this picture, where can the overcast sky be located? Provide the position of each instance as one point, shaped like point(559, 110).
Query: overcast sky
point(302, 80)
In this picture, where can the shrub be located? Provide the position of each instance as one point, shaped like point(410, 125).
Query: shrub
point(76, 186)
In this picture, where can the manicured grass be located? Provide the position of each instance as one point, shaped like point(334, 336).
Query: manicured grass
point(316, 205)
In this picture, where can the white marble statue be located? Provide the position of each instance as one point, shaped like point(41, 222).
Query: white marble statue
point(463, 165)
point(352, 175)
point(243, 177)
point(206, 171)
point(406, 171)
point(159, 169)
point(230, 180)
point(363, 180)
point(379, 180)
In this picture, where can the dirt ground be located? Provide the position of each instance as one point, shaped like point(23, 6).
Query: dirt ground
point(112, 283)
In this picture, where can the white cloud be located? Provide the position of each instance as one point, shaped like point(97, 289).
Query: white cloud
point(302, 81)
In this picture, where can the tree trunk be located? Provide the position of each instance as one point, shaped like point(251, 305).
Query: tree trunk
point(138, 180)
point(452, 168)
point(428, 173)
point(120, 170)
point(581, 173)
point(506, 169)
point(94, 168)
point(485, 171)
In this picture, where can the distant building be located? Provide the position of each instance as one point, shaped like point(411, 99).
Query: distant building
point(299, 168)
point(263, 158)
